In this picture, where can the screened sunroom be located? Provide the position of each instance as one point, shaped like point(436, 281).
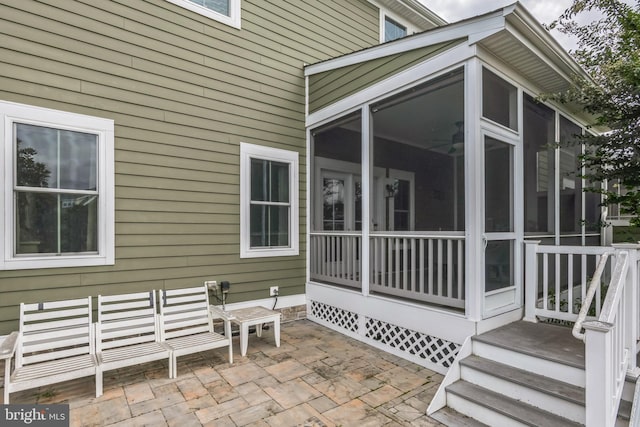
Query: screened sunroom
point(431, 162)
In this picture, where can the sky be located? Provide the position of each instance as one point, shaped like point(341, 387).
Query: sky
point(545, 11)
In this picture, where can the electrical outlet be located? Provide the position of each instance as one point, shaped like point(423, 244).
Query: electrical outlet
point(212, 284)
point(273, 291)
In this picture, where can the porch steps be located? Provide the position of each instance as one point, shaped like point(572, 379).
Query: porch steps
point(556, 396)
point(524, 374)
point(501, 410)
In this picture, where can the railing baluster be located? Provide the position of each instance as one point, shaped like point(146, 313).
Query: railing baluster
point(350, 256)
point(461, 295)
point(421, 273)
point(545, 281)
point(412, 285)
point(583, 274)
point(449, 268)
point(383, 260)
point(323, 262)
point(396, 283)
point(570, 283)
point(390, 263)
point(376, 261)
point(440, 281)
point(405, 265)
point(431, 268)
point(557, 284)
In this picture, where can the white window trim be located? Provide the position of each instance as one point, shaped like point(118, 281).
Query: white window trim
point(234, 11)
point(247, 152)
point(11, 113)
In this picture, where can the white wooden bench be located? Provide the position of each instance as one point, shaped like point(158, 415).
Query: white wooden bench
point(186, 324)
point(54, 344)
point(127, 333)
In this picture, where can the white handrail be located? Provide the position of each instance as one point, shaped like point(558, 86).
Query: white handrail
point(593, 287)
point(614, 293)
point(607, 350)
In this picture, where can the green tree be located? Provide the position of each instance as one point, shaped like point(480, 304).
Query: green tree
point(609, 51)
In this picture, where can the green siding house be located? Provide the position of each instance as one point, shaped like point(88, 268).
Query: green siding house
point(157, 144)
point(394, 175)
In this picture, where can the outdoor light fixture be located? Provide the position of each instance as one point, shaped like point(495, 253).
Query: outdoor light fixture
point(392, 189)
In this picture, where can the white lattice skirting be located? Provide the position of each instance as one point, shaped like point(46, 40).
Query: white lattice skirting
point(426, 347)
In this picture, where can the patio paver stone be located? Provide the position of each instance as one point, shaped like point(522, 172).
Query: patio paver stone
point(317, 378)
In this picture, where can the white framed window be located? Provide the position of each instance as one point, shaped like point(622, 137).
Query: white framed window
point(225, 11)
point(268, 202)
point(57, 202)
point(393, 27)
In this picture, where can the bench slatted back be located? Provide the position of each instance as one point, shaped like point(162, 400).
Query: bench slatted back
point(185, 312)
point(54, 330)
point(126, 319)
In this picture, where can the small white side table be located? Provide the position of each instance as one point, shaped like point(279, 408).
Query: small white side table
point(255, 316)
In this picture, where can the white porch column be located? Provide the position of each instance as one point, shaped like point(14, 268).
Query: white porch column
point(474, 203)
point(366, 161)
point(531, 280)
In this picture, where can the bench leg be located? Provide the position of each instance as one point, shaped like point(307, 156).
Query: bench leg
point(276, 330)
point(99, 389)
point(7, 377)
point(259, 330)
point(173, 366)
point(244, 338)
point(228, 333)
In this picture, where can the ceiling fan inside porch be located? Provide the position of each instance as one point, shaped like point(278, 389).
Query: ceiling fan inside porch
point(451, 145)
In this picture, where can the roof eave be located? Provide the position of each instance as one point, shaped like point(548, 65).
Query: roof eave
point(522, 20)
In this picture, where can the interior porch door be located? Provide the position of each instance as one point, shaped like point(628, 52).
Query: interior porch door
point(501, 269)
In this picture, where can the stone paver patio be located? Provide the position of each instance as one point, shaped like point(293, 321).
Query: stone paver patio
point(316, 378)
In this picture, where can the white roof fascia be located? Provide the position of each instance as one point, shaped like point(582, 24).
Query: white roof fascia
point(464, 29)
point(425, 70)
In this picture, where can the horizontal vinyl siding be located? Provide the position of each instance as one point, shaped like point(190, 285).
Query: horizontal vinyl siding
point(184, 91)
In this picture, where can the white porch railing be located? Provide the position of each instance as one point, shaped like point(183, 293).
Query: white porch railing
point(611, 335)
point(427, 268)
point(607, 352)
point(557, 279)
point(336, 257)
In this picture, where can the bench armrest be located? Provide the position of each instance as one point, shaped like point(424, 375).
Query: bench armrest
point(217, 312)
point(8, 346)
